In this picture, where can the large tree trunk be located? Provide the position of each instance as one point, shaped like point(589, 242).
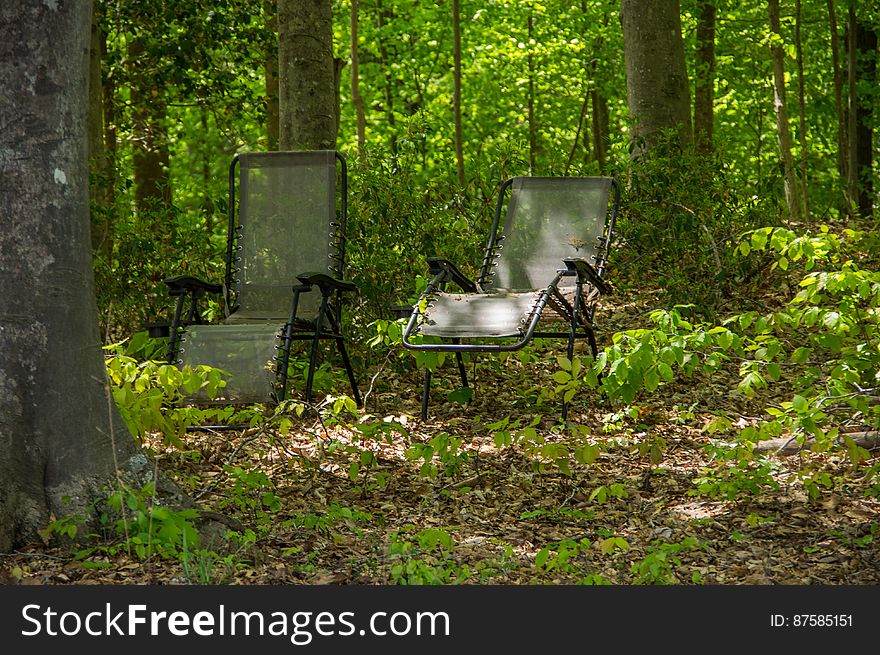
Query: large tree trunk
point(657, 89)
point(783, 132)
point(61, 439)
point(704, 87)
point(307, 85)
point(270, 71)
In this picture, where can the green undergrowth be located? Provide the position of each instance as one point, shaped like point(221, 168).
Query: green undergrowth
point(806, 367)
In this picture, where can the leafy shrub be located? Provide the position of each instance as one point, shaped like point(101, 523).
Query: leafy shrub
point(679, 222)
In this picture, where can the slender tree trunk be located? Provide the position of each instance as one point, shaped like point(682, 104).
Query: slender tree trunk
point(111, 148)
point(802, 120)
point(150, 155)
point(307, 82)
point(704, 88)
point(601, 128)
point(533, 130)
point(783, 133)
point(456, 91)
point(577, 135)
point(861, 73)
point(207, 202)
point(598, 103)
point(356, 97)
point(270, 70)
point(99, 191)
point(382, 16)
point(852, 158)
point(842, 161)
point(657, 86)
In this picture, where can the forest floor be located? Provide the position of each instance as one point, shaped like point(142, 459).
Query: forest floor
point(502, 515)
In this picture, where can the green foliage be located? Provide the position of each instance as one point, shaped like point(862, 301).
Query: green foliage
point(147, 393)
point(682, 217)
point(151, 529)
point(132, 515)
point(659, 564)
point(642, 360)
point(444, 448)
point(602, 493)
point(425, 558)
point(567, 558)
point(735, 472)
point(334, 515)
point(252, 491)
point(825, 343)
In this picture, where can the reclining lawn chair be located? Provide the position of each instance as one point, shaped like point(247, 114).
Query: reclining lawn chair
point(284, 276)
point(544, 264)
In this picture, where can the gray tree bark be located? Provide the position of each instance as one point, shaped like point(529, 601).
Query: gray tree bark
point(307, 84)
point(271, 74)
point(61, 439)
point(657, 89)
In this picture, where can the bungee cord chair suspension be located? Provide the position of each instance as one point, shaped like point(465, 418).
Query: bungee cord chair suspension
point(284, 281)
point(544, 263)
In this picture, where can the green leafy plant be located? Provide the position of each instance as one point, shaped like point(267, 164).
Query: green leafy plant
point(444, 448)
point(147, 392)
point(425, 558)
point(658, 566)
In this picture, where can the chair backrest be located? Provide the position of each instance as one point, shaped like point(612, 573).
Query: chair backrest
point(548, 219)
point(288, 220)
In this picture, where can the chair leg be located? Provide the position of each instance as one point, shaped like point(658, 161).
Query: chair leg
point(425, 391)
point(313, 355)
point(593, 345)
point(572, 331)
point(570, 352)
point(461, 370)
point(340, 344)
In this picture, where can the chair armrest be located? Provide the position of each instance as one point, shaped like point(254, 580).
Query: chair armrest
point(586, 272)
point(326, 282)
point(438, 265)
point(181, 284)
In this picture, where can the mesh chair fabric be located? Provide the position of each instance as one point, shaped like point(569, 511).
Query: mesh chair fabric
point(479, 315)
point(246, 352)
point(549, 219)
point(287, 210)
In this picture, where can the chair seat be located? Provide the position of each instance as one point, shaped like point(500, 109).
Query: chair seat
point(475, 315)
point(247, 352)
